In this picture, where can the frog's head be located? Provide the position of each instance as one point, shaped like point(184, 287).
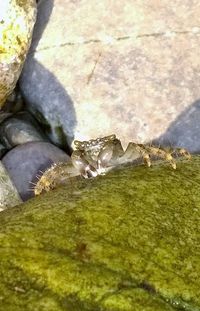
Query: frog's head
point(93, 147)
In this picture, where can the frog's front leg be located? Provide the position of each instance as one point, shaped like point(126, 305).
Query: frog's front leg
point(81, 163)
point(163, 153)
point(136, 151)
point(182, 152)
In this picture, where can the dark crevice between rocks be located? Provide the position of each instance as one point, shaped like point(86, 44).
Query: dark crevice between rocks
point(175, 303)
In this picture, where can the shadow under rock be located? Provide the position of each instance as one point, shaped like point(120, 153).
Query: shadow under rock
point(50, 104)
point(54, 112)
point(184, 131)
point(43, 16)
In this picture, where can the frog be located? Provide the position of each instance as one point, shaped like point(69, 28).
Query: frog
point(95, 157)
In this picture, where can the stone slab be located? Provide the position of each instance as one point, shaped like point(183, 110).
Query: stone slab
point(134, 72)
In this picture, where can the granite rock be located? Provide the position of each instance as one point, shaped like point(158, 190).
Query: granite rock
point(133, 72)
point(17, 18)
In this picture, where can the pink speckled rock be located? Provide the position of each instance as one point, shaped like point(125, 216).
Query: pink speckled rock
point(124, 67)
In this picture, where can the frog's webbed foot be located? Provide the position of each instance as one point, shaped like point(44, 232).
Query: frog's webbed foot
point(162, 153)
point(182, 152)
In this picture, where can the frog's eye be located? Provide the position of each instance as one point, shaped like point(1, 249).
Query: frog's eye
point(112, 137)
point(80, 145)
point(93, 142)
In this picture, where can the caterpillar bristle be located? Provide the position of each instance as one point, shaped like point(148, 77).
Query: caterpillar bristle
point(32, 183)
point(57, 174)
point(46, 180)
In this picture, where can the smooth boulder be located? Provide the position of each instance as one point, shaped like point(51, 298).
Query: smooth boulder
point(134, 73)
point(125, 241)
point(17, 18)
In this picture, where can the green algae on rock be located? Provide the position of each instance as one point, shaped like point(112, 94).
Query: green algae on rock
point(17, 18)
point(125, 241)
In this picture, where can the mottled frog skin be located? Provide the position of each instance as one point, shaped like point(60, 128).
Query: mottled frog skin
point(97, 156)
point(93, 157)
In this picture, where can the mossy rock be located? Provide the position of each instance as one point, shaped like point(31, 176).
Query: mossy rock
point(17, 18)
point(126, 241)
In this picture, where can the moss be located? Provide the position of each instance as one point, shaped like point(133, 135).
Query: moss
point(125, 241)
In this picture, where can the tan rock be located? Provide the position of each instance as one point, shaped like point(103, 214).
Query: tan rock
point(17, 18)
point(125, 67)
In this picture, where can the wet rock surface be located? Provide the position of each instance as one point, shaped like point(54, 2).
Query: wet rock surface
point(19, 129)
point(17, 19)
point(25, 162)
point(134, 74)
point(121, 242)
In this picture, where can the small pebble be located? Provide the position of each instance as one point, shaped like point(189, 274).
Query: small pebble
point(27, 161)
point(19, 129)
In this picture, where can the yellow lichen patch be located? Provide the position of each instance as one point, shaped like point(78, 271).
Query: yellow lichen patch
point(16, 25)
point(11, 41)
